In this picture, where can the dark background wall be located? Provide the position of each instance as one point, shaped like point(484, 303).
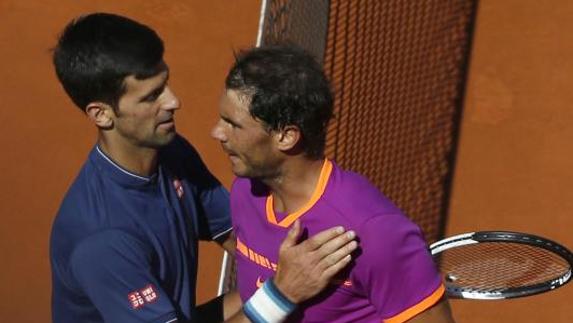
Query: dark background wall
point(514, 159)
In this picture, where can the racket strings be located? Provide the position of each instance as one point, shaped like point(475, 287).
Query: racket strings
point(500, 265)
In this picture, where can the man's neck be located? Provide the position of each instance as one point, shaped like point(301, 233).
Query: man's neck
point(135, 159)
point(294, 187)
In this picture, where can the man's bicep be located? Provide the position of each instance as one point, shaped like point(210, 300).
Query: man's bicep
point(113, 270)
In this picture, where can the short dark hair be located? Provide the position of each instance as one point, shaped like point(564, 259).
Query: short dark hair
point(96, 52)
point(286, 86)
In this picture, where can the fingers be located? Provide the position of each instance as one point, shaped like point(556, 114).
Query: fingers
point(329, 272)
point(292, 235)
point(305, 268)
point(319, 239)
point(335, 254)
point(333, 257)
point(340, 243)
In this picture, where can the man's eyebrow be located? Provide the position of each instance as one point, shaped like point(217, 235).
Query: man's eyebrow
point(228, 120)
point(158, 88)
point(167, 74)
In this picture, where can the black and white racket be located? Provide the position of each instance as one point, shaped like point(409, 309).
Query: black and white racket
point(501, 264)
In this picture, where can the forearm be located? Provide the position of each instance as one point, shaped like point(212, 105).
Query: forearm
point(268, 304)
point(232, 305)
point(238, 317)
point(259, 305)
point(225, 308)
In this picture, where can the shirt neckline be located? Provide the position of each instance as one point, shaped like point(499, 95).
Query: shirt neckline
point(318, 191)
point(117, 172)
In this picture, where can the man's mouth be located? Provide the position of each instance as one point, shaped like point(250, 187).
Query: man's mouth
point(167, 123)
point(229, 152)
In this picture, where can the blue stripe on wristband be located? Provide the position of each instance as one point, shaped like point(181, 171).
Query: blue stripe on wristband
point(278, 297)
point(252, 314)
point(268, 305)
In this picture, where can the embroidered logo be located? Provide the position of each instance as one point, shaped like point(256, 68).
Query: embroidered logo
point(342, 282)
point(141, 297)
point(259, 282)
point(178, 186)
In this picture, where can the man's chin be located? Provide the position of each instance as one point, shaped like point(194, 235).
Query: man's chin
point(239, 172)
point(163, 141)
point(171, 136)
point(246, 173)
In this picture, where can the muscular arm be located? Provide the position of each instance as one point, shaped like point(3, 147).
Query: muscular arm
point(439, 313)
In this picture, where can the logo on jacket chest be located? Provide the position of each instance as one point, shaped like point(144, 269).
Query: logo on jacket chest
point(178, 186)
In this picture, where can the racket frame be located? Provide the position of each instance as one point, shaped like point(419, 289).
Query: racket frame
point(459, 240)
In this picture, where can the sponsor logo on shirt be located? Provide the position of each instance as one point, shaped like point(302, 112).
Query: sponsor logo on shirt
point(343, 282)
point(141, 297)
point(255, 257)
point(178, 186)
point(259, 282)
point(263, 261)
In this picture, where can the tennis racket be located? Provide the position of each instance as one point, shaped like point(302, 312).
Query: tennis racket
point(500, 264)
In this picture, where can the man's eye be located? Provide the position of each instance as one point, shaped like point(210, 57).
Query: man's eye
point(234, 125)
point(230, 123)
point(153, 96)
point(150, 98)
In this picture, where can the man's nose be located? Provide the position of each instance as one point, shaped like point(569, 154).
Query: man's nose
point(218, 133)
point(171, 101)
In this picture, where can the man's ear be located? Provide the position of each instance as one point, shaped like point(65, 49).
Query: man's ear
point(101, 114)
point(288, 138)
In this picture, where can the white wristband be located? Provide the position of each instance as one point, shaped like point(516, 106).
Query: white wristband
point(268, 305)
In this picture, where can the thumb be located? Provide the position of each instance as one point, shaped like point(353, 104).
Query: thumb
point(292, 235)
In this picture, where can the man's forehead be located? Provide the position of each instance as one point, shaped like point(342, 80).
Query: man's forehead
point(159, 69)
point(235, 99)
point(131, 81)
point(239, 96)
point(235, 106)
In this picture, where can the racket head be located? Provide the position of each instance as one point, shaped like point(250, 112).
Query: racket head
point(492, 265)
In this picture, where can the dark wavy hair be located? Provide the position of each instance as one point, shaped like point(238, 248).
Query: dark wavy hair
point(96, 52)
point(286, 86)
